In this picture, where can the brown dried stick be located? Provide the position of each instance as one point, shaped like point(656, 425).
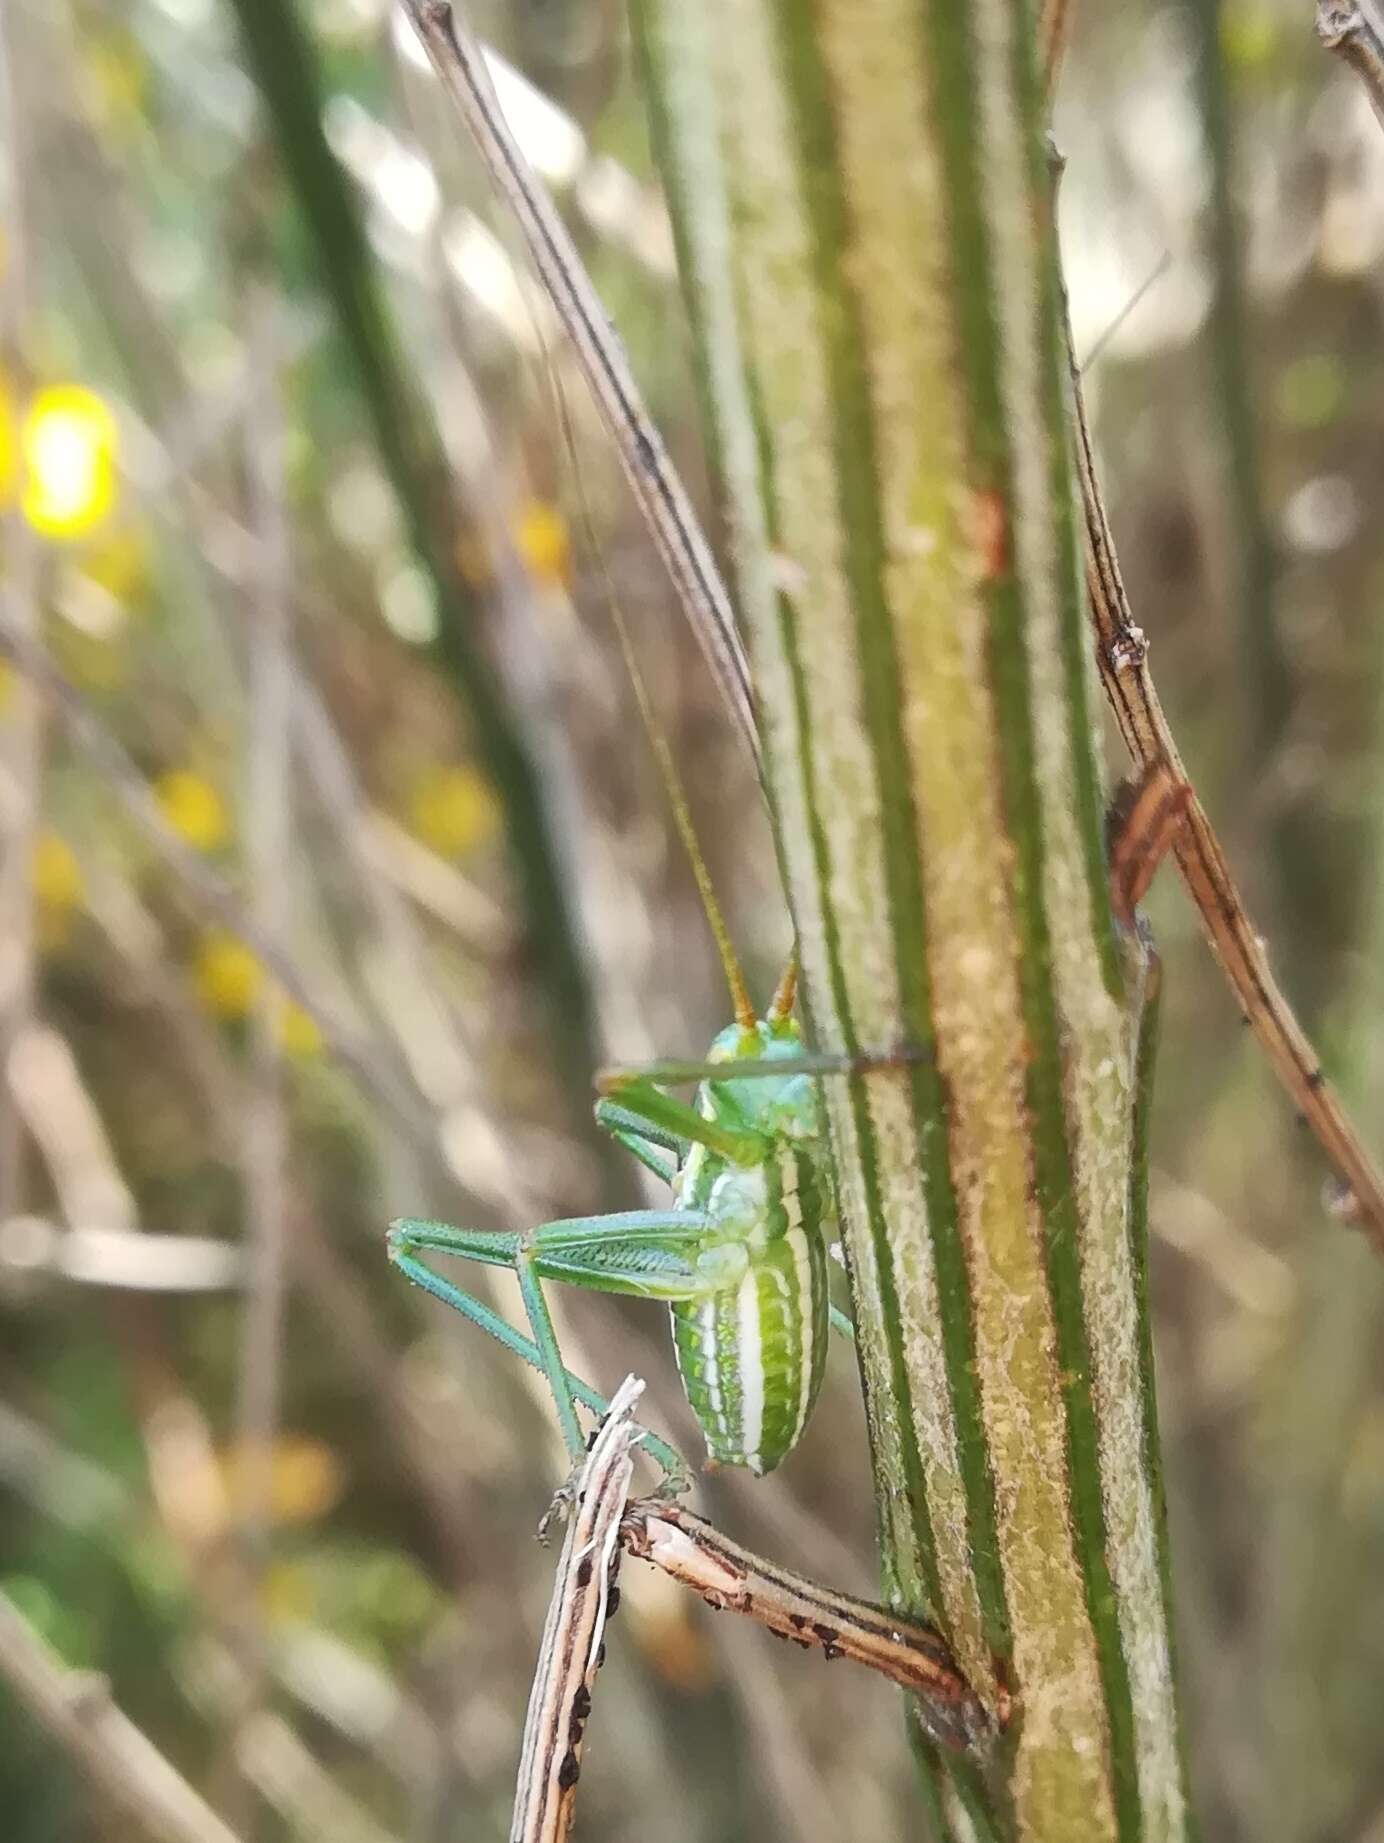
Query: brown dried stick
point(1122, 659)
point(728, 1576)
point(584, 1597)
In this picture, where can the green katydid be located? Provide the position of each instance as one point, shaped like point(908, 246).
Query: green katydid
point(740, 1257)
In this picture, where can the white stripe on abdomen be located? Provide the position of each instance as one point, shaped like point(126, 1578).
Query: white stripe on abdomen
point(751, 1362)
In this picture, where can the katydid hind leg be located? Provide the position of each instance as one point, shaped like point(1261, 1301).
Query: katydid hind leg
point(476, 1312)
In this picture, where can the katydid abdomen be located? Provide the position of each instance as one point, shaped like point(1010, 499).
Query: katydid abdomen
point(752, 1355)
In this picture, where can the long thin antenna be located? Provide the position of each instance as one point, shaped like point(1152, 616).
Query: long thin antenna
point(1155, 274)
point(457, 58)
point(658, 742)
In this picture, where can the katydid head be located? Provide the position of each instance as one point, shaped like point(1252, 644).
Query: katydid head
point(785, 1104)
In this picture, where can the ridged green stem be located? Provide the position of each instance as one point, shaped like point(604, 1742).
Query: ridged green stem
point(861, 197)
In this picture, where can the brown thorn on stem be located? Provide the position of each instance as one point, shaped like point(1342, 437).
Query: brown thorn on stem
point(1140, 824)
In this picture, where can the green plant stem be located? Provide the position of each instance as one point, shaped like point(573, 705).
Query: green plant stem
point(862, 204)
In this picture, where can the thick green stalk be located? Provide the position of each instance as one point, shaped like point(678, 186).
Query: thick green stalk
point(282, 61)
point(862, 204)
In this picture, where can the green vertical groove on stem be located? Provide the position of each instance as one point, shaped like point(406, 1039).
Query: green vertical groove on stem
point(283, 64)
point(1052, 1164)
point(856, 473)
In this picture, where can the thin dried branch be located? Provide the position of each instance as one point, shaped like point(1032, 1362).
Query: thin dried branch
point(460, 64)
point(1352, 29)
point(1122, 660)
point(727, 1576)
point(120, 1763)
point(274, 1760)
point(572, 1650)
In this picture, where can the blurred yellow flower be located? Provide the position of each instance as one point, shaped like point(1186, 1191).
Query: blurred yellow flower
point(68, 445)
point(299, 1036)
point(6, 684)
point(193, 808)
point(55, 873)
point(228, 976)
point(543, 543)
point(454, 810)
point(305, 1479)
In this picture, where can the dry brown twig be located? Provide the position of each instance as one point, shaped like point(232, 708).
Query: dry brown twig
point(1122, 660)
point(572, 1649)
point(687, 1548)
point(729, 1577)
point(460, 65)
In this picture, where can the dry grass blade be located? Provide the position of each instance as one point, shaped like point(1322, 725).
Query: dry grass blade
point(123, 1767)
point(570, 1655)
point(460, 64)
point(728, 1576)
point(1122, 659)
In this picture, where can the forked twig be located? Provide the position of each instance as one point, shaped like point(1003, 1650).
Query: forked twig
point(1122, 660)
point(730, 1577)
point(584, 1597)
point(460, 65)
